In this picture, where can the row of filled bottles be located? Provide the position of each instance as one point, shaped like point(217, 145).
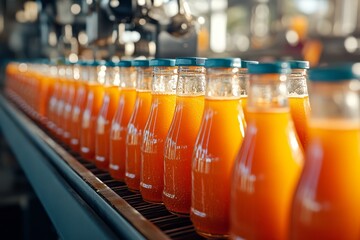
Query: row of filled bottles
point(232, 143)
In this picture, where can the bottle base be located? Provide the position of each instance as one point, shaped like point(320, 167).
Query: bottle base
point(212, 236)
point(179, 214)
point(153, 202)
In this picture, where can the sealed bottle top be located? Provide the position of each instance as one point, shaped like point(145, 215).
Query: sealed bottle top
point(296, 64)
point(269, 68)
point(165, 75)
point(143, 74)
point(243, 73)
point(297, 79)
point(162, 62)
point(223, 80)
point(335, 73)
point(192, 76)
point(335, 92)
point(244, 63)
point(127, 74)
point(96, 71)
point(223, 63)
point(190, 61)
point(268, 86)
point(112, 74)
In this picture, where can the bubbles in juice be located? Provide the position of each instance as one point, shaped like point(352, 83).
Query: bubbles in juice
point(118, 133)
point(106, 114)
point(152, 149)
point(89, 117)
point(300, 110)
point(134, 138)
point(265, 175)
point(326, 203)
point(178, 152)
point(218, 141)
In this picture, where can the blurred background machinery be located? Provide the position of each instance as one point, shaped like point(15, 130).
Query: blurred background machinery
point(315, 30)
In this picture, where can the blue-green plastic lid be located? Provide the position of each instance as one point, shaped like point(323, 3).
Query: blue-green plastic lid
point(335, 73)
point(223, 62)
point(141, 63)
point(125, 63)
point(190, 61)
point(268, 68)
point(244, 63)
point(110, 64)
point(96, 63)
point(162, 62)
point(294, 64)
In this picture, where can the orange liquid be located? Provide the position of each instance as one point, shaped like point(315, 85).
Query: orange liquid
point(244, 106)
point(179, 147)
point(45, 92)
point(89, 117)
point(52, 105)
point(107, 112)
point(218, 141)
point(118, 133)
point(326, 203)
point(152, 148)
point(59, 120)
point(300, 110)
point(265, 175)
point(69, 102)
point(134, 137)
point(76, 116)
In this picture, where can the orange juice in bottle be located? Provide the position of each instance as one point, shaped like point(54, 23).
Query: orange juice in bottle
point(156, 128)
point(73, 73)
point(106, 114)
point(179, 143)
point(61, 99)
point(118, 130)
point(326, 201)
point(219, 139)
point(299, 98)
point(79, 105)
point(269, 162)
point(243, 73)
point(51, 108)
point(95, 93)
point(137, 124)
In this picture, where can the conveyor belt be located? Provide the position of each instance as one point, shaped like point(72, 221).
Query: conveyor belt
point(116, 211)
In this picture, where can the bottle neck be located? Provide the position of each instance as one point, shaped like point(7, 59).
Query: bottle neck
point(144, 78)
point(192, 81)
point(244, 79)
point(297, 85)
point(165, 80)
point(335, 101)
point(223, 83)
point(127, 77)
point(267, 92)
point(112, 76)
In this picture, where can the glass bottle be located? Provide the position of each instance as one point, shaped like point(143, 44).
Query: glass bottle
point(163, 93)
point(244, 78)
point(95, 93)
point(299, 98)
point(73, 78)
point(79, 105)
point(326, 202)
point(180, 140)
point(220, 136)
point(137, 124)
point(121, 119)
point(59, 107)
point(269, 162)
point(106, 114)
